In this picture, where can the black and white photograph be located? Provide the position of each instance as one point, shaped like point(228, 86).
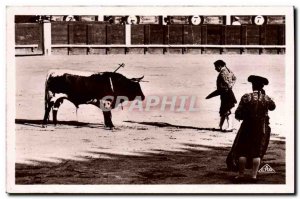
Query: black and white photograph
point(157, 99)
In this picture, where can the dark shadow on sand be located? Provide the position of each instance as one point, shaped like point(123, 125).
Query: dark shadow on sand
point(193, 164)
point(39, 123)
point(164, 124)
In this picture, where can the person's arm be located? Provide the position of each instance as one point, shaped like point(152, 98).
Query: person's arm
point(241, 109)
point(271, 103)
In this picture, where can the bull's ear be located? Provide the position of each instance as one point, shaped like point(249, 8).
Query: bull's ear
point(137, 79)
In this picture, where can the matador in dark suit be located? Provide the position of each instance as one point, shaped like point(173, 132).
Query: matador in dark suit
point(253, 136)
point(225, 83)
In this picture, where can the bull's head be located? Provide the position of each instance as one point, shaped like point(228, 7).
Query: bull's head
point(129, 88)
point(136, 89)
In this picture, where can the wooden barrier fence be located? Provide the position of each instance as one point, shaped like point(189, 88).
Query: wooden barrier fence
point(29, 38)
point(99, 38)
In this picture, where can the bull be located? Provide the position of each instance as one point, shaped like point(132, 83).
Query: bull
point(89, 88)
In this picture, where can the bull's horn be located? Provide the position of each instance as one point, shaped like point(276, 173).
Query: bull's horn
point(137, 79)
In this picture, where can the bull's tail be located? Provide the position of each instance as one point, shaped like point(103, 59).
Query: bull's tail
point(46, 93)
point(47, 101)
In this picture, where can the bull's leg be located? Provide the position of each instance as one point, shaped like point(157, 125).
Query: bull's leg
point(55, 110)
point(107, 119)
point(47, 111)
point(54, 113)
point(105, 106)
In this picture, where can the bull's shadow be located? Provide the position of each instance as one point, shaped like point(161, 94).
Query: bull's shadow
point(165, 125)
point(39, 123)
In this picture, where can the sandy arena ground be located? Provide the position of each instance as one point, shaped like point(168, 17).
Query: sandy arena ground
point(150, 147)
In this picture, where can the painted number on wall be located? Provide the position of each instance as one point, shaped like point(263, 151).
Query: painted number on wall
point(259, 20)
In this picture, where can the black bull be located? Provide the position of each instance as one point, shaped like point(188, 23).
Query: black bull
point(89, 89)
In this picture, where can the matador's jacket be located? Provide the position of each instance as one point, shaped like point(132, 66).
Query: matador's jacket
point(253, 136)
point(225, 82)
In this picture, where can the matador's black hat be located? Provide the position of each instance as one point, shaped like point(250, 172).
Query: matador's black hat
point(258, 80)
point(220, 63)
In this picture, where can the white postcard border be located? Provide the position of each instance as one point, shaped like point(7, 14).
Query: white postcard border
point(150, 10)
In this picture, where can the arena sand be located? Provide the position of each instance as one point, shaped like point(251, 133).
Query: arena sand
point(151, 147)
